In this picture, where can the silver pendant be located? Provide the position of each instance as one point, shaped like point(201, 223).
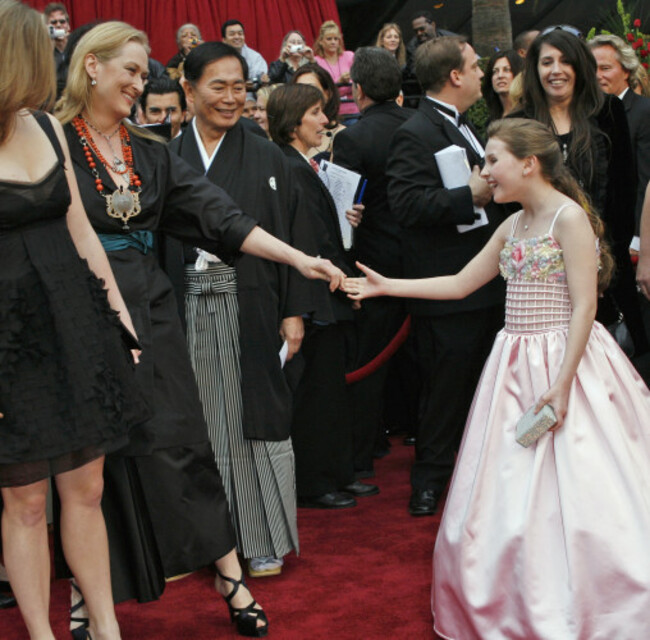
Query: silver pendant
point(123, 204)
point(119, 166)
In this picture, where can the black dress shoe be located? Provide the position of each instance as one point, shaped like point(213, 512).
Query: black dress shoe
point(7, 599)
point(361, 490)
point(423, 502)
point(409, 441)
point(332, 500)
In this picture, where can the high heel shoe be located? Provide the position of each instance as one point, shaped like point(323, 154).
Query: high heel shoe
point(246, 618)
point(80, 632)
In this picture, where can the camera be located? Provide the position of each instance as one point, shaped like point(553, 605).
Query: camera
point(56, 34)
point(254, 84)
point(294, 48)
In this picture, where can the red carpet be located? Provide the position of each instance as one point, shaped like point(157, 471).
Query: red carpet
point(363, 574)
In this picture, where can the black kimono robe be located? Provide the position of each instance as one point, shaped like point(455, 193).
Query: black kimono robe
point(254, 173)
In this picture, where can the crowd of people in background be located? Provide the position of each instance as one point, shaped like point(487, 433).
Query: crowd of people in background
point(243, 347)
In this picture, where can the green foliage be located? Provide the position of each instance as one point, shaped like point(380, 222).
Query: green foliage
point(478, 113)
point(629, 30)
point(625, 17)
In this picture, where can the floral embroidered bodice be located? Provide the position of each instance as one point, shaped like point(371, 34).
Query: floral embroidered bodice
point(537, 295)
point(538, 258)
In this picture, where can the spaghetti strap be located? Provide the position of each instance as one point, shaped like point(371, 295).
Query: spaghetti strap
point(557, 213)
point(45, 124)
point(515, 222)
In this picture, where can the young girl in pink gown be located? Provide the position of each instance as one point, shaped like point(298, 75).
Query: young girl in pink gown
point(552, 541)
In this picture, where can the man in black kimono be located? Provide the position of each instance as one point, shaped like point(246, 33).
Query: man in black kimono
point(257, 462)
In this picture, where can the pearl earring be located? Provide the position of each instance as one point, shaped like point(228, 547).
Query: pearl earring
point(93, 82)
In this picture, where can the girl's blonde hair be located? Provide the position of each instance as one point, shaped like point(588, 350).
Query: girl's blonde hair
point(105, 41)
point(525, 138)
point(27, 79)
point(328, 25)
point(400, 54)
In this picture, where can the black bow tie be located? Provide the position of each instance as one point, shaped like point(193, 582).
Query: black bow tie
point(460, 118)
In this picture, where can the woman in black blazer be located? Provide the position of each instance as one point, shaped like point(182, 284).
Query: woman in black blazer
point(321, 429)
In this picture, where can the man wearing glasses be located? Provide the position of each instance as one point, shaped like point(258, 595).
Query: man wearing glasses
point(424, 28)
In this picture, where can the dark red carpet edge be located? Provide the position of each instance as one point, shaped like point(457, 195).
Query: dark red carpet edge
point(363, 574)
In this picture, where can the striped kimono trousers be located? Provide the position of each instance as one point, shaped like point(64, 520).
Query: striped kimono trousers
point(258, 475)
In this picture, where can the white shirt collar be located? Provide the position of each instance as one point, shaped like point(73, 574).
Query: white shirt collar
point(465, 130)
point(620, 95)
point(449, 106)
point(206, 159)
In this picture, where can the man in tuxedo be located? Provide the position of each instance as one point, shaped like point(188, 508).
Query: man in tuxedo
point(452, 338)
point(617, 71)
point(376, 80)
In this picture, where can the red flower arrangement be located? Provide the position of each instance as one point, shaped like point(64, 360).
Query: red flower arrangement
point(639, 42)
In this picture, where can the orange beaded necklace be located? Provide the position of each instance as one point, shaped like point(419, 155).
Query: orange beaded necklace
point(122, 204)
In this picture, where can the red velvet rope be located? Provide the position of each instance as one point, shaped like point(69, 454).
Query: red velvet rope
point(383, 356)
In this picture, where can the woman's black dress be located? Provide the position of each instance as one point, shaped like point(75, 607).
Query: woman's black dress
point(66, 377)
point(164, 504)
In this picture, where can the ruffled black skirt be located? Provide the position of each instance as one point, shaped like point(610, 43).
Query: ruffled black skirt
point(67, 384)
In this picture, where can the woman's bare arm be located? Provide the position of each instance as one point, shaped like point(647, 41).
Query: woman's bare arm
point(574, 234)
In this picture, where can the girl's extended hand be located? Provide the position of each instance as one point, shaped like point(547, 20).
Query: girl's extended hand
point(359, 288)
point(558, 397)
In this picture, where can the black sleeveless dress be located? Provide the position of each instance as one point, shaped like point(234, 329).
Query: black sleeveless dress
point(67, 386)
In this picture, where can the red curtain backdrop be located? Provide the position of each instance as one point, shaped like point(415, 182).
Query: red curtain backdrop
point(265, 21)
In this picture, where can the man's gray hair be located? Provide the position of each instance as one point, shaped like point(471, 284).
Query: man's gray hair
point(624, 54)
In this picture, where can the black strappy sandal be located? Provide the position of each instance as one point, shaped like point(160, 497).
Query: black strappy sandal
point(246, 618)
point(81, 632)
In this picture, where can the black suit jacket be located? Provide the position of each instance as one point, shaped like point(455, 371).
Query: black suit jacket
point(364, 148)
point(428, 213)
point(325, 225)
point(637, 109)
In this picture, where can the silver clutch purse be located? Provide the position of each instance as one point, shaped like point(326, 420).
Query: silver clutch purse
point(532, 426)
